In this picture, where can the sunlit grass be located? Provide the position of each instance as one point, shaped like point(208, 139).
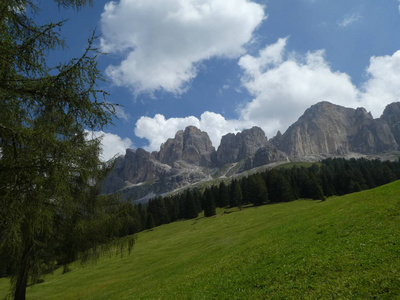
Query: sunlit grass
point(343, 248)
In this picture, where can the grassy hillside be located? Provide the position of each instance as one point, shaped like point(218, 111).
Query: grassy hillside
point(344, 248)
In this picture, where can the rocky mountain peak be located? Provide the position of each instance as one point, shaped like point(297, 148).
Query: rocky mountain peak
point(324, 130)
point(190, 145)
point(235, 147)
point(330, 129)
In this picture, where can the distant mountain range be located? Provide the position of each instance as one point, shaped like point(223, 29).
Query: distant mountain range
point(324, 130)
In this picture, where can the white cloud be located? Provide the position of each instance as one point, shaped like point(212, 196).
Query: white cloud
point(349, 19)
point(382, 86)
point(158, 129)
point(284, 88)
point(284, 85)
point(112, 144)
point(163, 41)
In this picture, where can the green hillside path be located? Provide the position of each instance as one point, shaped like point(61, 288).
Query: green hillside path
point(343, 248)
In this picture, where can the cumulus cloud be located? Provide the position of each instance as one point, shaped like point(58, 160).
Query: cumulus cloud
point(112, 144)
point(163, 41)
point(283, 85)
point(158, 129)
point(382, 86)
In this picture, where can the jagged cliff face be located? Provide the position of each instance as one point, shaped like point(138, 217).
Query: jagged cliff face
point(187, 158)
point(391, 115)
point(235, 147)
point(331, 129)
point(191, 145)
point(182, 160)
point(324, 129)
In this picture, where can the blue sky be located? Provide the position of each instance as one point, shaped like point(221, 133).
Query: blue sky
point(228, 65)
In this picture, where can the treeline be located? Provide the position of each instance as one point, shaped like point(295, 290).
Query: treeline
point(333, 176)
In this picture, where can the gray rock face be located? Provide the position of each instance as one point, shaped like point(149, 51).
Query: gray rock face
point(323, 130)
point(330, 129)
point(235, 147)
point(268, 155)
point(136, 167)
point(182, 160)
point(191, 145)
point(391, 115)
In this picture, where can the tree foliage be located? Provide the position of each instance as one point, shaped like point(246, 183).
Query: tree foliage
point(50, 211)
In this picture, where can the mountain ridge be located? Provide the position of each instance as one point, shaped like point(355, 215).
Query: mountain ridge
point(324, 130)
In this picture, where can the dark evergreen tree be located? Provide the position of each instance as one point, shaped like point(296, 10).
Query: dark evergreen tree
point(150, 221)
point(172, 206)
point(190, 208)
point(327, 177)
point(158, 210)
point(246, 190)
point(223, 197)
point(236, 198)
point(258, 192)
point(143, 215)
point(208, 203)
point(197, 197)
point(279, 188)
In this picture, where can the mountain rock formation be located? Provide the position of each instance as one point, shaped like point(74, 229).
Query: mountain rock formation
point(235, 147)
point(330, 129)
point(324, 130)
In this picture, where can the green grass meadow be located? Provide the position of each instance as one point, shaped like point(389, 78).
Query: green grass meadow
point(343, 248)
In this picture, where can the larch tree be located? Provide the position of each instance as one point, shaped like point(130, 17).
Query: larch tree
point(50, 211)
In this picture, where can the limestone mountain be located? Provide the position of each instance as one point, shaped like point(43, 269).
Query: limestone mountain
point(235, 147)
point(188, 158)
point(330, 129)
point(324, 130)
point(191, 146)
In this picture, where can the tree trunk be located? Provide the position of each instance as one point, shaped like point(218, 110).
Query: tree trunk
point(23, 274)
